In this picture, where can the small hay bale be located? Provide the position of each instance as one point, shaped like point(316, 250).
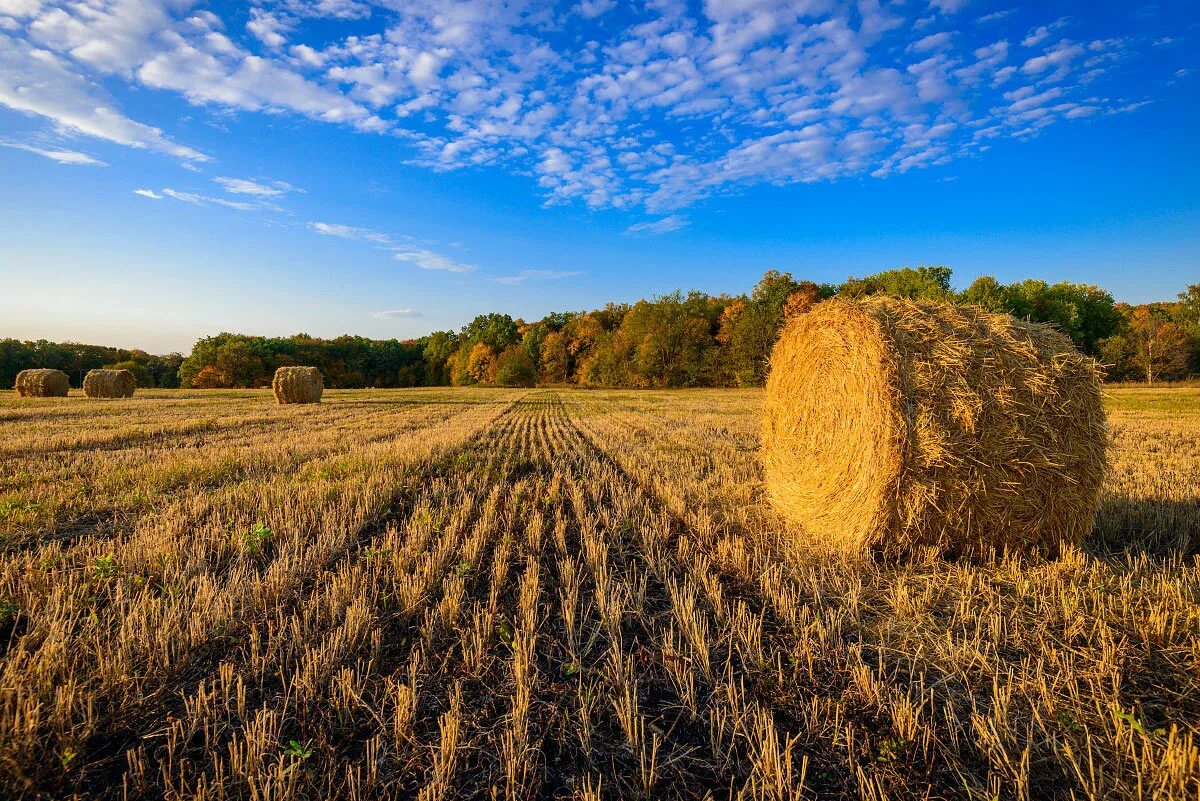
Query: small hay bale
point(109, 384)
point(42, 383)
point(891, 425)
point(298, 385)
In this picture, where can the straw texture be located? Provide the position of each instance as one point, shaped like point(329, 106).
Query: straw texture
point(298, 385)
point(891, 425)
point(42, 383)
point(109, 384)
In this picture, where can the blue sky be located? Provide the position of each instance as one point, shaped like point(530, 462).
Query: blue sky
point(170, 168)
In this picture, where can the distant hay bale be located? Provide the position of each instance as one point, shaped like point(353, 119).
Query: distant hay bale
point(109, 384)
point(42, 383)
point(298, 385)
point(891, 425)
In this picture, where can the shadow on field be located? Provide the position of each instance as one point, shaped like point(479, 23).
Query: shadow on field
point(1158, 528)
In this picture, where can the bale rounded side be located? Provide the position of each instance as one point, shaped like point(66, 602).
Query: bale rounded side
point(109, 384)
point(891, 425)
point(297, 385)
point(42, 383)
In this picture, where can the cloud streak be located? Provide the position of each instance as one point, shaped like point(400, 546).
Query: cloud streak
point(537, 275)
point(666, 225)
point(268, 189)
point(428, 260)
point(62, 156)
point(421, 258)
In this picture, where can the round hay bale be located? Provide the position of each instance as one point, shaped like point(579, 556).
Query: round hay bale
point(42, 383)
point(109, 384)
point(298, 385)
point(891, 425)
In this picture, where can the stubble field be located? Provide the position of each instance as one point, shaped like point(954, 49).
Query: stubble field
point(444, 594)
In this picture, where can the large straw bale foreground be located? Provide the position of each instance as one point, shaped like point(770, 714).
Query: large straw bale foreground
point(42, 383)
point(890, 425)
point(109, 384)
point(298, 385)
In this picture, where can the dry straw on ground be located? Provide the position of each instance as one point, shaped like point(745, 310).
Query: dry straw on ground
point(297, 385)
point(109, 384)
point(891, 425)
point(42, 384)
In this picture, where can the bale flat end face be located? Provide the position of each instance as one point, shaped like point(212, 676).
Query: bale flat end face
point(109, 384)
point(297, 385)
point(831, 444)
point(891, 426)
point(42, 383)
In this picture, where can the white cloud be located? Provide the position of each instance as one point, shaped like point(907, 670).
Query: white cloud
point(417, 256)
point(1042, 33)
point(242, 186)
point(398, 314)
point(428, 260)
point(250, 82)
point(934, 41)
point(537, 275)
point(20, 8)
point(998, 15)
point(150, 193)
point(948, 6)
point(1057, 60)
point(350, 232)
point(685, 101)
point(594, 8)
point(110, 36)
point(666, 225)
point(72, 157)
point(204, 200)
point(269, 28)
point(38, 82)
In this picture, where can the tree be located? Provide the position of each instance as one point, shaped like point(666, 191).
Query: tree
point(240, 365)
point(480, 361)
point(556, 358)
point(439, 347)
point(987, 292)
point(497, 331)
point(802, 300)
point(209, 377)
point(665, 340)
point(749, 327)
point(1158, 344)
point(1189, 305)
point(930, 283)
point(1085, 313)
point(514, 368)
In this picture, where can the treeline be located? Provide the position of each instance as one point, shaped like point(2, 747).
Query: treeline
point(676, 340)
point(75, 360)
point(235, 360)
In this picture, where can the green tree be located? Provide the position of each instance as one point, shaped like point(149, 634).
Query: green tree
point(439, 347)
point(987, 292)
point(497, 331)
point(920, 283)
point(515, 368)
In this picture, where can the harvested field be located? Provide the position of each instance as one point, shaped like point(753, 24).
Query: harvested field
point(443, 594)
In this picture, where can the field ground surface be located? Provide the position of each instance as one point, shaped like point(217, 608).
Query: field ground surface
point(457, 593)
